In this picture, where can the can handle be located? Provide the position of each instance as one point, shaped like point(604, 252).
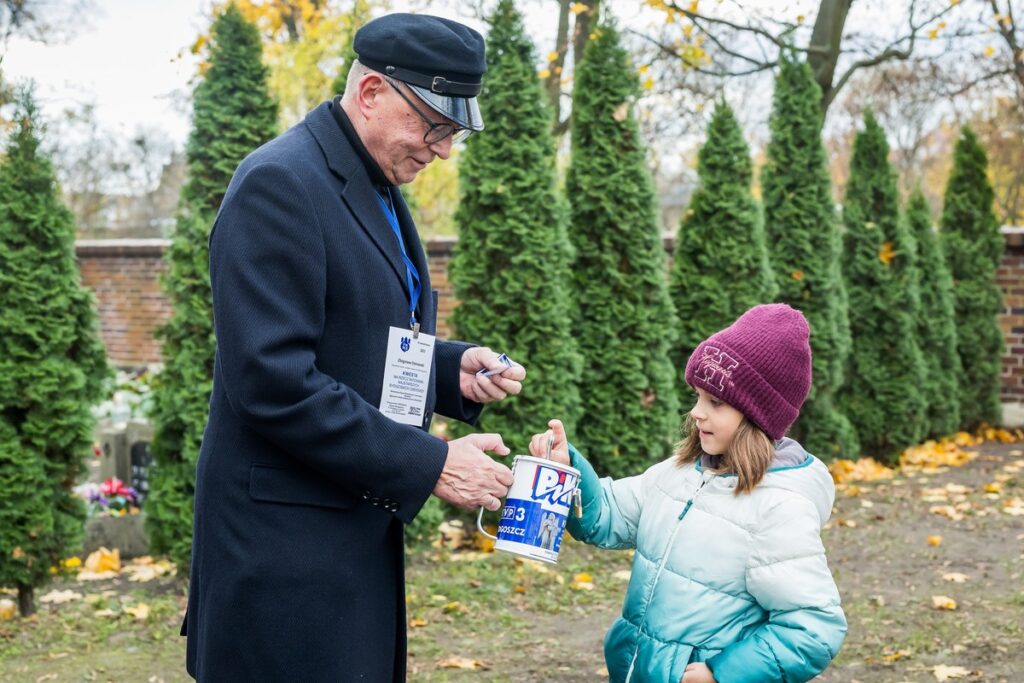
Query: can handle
point(480, 525)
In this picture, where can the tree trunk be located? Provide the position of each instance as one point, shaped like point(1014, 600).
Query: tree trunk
point(554, 80)
point(825, 42)
point(26, 600)
point(585, 22)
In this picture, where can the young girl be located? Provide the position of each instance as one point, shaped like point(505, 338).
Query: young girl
point(729, 579)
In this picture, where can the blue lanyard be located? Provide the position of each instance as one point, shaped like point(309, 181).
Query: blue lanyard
point(412, 276)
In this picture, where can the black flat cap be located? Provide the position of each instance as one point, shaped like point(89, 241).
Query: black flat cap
point(442, 61)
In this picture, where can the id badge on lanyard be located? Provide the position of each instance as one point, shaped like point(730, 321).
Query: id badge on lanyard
point(410, 353)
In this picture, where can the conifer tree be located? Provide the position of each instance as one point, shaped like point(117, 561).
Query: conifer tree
point(936, 324)
point(52, 366)
point(510, 268)
point(233, 114)
point(624, 317)
point(356, 17)
point(973, 248)
point(803, 247)
point(882, 396)
point(721, 267)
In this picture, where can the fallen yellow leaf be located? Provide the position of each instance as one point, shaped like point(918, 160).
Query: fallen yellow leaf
point(1014, 507)
point(582, 582)
point(943, 602)
point(462, 663)
point(104, 560)
point(418, 623)
point(57, 597)
point(955, 577)
point(864, 469)
point(483, 542)
point(934, 454)
point(896, 655)
point(455, 606)
point(935, 540)
point(139, 611)
point(944, 673)
point(946, 511)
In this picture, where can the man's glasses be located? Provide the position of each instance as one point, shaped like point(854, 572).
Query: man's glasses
point(436, 132)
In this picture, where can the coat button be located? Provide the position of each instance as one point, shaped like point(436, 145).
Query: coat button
point(366, 495)
point(375, 501)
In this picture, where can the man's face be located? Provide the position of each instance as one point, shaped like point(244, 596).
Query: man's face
point(396, 130)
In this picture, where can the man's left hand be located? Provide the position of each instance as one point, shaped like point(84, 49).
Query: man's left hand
point(484, 389)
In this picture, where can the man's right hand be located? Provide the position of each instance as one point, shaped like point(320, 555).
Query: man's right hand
point(470, 479)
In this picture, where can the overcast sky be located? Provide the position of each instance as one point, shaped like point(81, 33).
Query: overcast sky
point(129, 59)
point(132, 59)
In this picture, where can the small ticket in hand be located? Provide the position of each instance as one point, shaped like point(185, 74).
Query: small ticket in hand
point(504, 360)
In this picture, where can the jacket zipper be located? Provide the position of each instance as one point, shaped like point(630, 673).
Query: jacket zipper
point(707, 476)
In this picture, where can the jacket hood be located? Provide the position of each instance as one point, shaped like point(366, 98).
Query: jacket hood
point(796, 470)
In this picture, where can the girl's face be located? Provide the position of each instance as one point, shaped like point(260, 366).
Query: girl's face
point(717, 422)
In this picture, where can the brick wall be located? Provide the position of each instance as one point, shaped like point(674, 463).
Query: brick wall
point(1011, 279)
point(124, 274)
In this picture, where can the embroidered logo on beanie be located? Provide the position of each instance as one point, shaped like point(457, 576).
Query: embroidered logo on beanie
point(715, 367)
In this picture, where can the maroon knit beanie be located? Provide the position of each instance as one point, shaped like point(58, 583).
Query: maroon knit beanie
point(760, 365)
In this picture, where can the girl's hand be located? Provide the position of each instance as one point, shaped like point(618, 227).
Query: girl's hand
point(560, 447)
point(697, 673)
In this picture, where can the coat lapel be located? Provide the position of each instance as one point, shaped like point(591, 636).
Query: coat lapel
point(358, 192)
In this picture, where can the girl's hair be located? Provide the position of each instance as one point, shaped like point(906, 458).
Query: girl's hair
point(748, 457)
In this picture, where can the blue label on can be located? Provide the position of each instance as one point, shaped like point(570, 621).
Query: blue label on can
point(527, 522)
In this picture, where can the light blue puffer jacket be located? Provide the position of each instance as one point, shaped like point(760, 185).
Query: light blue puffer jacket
point(738, 582)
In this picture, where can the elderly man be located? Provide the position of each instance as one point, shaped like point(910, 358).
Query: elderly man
point(327, 376)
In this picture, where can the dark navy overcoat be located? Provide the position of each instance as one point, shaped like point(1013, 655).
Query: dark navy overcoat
point(302, 485)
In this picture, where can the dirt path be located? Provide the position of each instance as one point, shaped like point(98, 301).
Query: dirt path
point(888, 573)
